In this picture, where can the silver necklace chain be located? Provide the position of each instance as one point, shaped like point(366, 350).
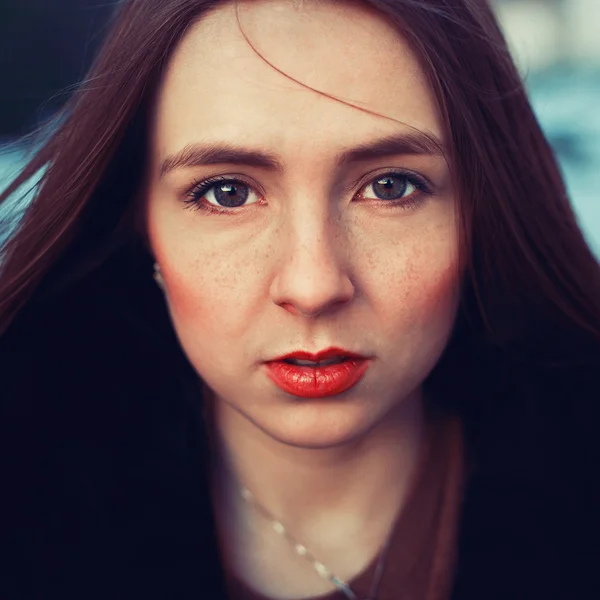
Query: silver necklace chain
point(301, 550)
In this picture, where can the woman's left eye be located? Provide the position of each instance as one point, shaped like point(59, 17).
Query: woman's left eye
point(398, 188)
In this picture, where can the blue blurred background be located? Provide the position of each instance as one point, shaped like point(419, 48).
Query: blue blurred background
point(556, 44)
point(45, 47)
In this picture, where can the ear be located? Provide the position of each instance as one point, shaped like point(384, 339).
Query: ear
point(158, 277)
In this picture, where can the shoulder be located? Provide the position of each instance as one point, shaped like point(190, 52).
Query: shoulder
point(530, 522)
point(101, 459)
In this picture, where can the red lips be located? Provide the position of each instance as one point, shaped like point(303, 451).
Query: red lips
point(319, 381)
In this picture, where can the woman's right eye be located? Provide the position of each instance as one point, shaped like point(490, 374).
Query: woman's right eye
point(221, 194)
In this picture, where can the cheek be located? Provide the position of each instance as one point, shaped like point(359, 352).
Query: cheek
point(201, 310)
point(209, 297)
point(434, 289)
point(215, 284)
point(199, 294)
point(418, 313)
point(207, 277)
point(185, 295)
point(424, 296)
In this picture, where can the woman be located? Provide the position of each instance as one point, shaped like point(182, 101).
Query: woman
point(300, 309)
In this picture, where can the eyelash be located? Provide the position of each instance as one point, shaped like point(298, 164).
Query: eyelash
point(200, 188)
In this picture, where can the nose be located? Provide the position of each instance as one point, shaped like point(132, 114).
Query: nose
point(313, 274)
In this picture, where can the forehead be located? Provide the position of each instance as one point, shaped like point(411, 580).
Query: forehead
point(249, 84)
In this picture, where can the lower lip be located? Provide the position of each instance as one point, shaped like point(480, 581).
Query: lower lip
point(317, 382)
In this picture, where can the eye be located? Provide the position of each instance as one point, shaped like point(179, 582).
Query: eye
point(222, 192)
point(393, 187)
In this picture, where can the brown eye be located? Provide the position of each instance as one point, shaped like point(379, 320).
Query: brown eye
point(390, 187)
point(223, 192)
point(231, 194)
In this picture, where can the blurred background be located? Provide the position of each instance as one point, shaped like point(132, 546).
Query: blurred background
point(46, 47)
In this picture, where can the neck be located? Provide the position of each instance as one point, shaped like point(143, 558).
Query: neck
point(362, 483)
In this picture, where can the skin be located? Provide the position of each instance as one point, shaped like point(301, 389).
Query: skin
point(313, 260)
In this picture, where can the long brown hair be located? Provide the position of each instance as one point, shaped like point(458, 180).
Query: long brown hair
point(532, 286)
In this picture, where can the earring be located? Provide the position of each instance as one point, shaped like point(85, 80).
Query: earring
point(158, 277)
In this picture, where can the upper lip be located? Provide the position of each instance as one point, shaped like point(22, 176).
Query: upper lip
point(321, 355)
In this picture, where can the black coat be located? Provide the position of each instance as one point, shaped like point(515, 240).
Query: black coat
point(104, 490)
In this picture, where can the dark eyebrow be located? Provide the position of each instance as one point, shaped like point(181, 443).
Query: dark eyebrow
point(196, 155)
point(406, 144)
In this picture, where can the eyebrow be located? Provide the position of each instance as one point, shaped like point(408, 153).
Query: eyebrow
point(196, 155)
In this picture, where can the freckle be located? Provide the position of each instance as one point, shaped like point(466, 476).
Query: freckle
point(356, 251)
point(413, 274)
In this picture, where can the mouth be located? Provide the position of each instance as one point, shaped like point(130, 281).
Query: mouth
point(327, 373)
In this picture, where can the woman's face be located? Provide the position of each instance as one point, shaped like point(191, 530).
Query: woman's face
point(326, 225)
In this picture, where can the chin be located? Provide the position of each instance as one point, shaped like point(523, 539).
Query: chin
point(318, 425)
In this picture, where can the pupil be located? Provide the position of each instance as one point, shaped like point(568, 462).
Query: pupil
point(231, 194)
point(389, 188)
